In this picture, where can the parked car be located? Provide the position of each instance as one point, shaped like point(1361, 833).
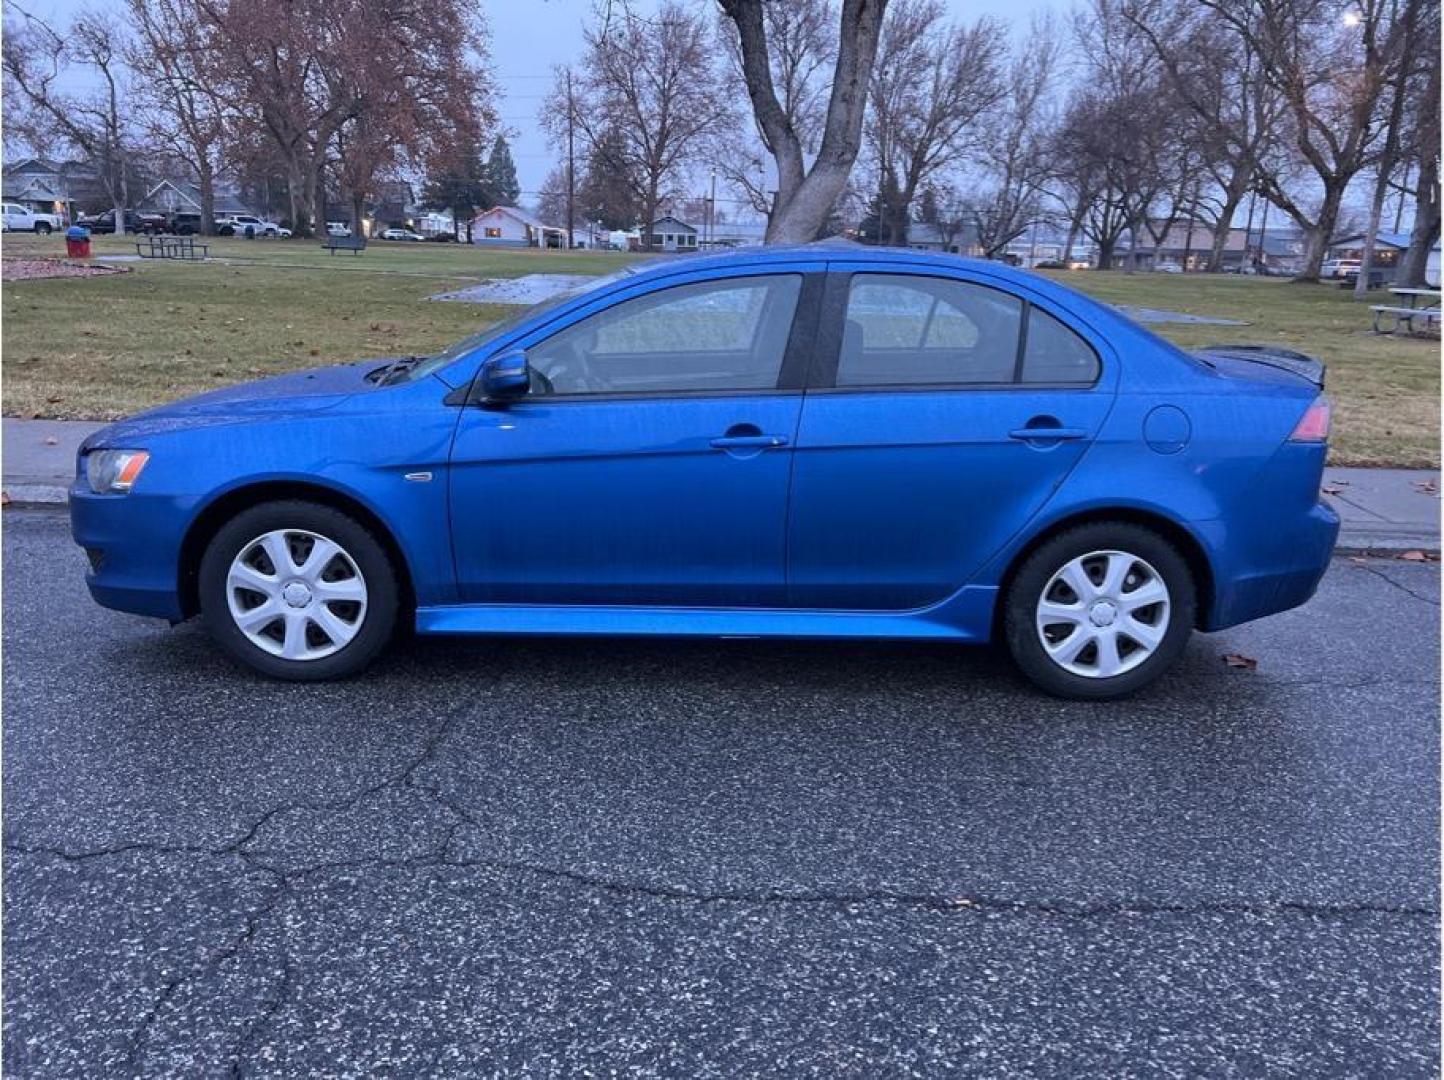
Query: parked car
point(17, 218)
point(136, 221)
point(247, 225)
point(1340, 268)
point(185, 224)
point(806, 442)
point(401, 234)
point(337, 228)
point(1169, 268)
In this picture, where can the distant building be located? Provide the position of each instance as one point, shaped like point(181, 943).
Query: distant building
point(39, 185)
point(1389, 248)
point(506, 226)
point(672, 234)
point(1190, 243)
point(730, 234)
point(183, 197)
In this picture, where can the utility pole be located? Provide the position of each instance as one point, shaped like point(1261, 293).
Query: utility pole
point(712, 212)
point(571, 160)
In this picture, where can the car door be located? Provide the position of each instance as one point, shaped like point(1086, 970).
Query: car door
point(943, 412)
point(649, 462)
point(15, 216)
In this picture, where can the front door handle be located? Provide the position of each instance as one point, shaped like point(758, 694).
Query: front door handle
point(1047, 434)
point(756, 442)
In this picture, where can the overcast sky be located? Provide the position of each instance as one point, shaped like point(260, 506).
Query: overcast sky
point(530, 37)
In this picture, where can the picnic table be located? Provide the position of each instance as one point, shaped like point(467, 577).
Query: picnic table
point(171, 247)
point(1408, 310)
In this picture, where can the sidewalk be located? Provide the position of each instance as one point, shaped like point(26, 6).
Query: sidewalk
point(1383, 509)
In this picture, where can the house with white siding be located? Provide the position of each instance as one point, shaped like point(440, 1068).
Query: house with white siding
point(506, 226)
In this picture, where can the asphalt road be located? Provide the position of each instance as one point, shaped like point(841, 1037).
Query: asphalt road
point(717, 859)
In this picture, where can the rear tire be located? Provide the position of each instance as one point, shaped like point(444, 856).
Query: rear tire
point(299, 591)
point(42, 228)
point(1099, 611)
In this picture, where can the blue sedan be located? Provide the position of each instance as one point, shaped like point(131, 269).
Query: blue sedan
point(825, 441)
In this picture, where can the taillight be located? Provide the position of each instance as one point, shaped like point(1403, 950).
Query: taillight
point(1314, 425)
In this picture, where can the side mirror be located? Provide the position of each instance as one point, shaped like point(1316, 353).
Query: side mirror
point(504, 378)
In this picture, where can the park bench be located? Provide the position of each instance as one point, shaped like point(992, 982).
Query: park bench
point(1405, 315)
point(354, 243)
point(171, 247)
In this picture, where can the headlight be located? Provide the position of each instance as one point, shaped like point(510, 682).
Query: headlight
point(113, 470)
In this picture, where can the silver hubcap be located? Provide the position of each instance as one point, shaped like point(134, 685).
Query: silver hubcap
point(1102, 614)
point(296, 594)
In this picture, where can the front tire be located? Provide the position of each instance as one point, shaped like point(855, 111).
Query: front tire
point(298, 591)
point(1099, 611)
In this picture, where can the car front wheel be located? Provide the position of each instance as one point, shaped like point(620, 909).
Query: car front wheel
point(298, 591)
point(1099, 611)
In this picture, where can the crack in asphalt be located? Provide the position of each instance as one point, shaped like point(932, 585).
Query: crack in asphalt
point(282, 978)
point(1398, 585)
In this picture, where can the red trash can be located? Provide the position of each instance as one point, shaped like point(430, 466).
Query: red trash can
point(77, 242)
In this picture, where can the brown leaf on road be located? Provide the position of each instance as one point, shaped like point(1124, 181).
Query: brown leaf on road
point(1239, 660)
point(1418, 556)
point(1332, 489)
point(1426, 487)
point(4, 498)
point(51, 440)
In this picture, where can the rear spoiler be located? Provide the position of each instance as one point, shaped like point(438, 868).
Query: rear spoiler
point(1296, 362)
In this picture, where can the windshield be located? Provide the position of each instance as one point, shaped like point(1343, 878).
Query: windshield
point(505, 326)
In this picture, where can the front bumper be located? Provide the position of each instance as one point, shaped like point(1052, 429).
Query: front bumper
point(133, 544)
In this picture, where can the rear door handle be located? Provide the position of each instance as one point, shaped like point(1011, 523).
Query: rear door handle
point(1047, 434)
point(724, 442)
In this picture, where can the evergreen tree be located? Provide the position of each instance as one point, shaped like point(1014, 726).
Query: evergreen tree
point(500, 175)
point(460, 188)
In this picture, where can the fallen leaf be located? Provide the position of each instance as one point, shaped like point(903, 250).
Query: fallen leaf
point(1332, 489)
point(1426, 487)
point(1239, 660)
point(4, 498)
point(1358, 560)
point(51, 440)
point(56, 400)
point(962, 901)
point(1418, 556)
point(315, 352)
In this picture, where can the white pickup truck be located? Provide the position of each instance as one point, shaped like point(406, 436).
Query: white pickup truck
point(15, 217)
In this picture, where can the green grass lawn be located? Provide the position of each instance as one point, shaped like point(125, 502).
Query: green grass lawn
point(107, 346)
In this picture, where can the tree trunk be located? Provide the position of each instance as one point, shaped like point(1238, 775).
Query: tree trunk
point(1232, 196)
point(207, 185)
point(1425, 233)
point(1105, 253)
point(1316, 236)
point(1371, 232)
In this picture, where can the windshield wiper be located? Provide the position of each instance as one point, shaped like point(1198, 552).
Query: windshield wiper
point(386, 374)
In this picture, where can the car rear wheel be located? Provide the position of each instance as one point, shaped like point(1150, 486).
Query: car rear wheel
point(298, 591)
point(43, 228)
point(1099, 611)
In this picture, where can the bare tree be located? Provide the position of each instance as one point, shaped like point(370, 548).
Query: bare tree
point(1422, 149)
point(1118, 143)
point(1331, 61)
point(1415, 48)
point(648, 97)
point(1232, 113)
point(806, 194)
point(803, 51)
point(929, 88)
point(35, 58)
point(1014, 148)
point(180, 90)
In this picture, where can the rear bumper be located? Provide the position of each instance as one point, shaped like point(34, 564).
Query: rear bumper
point(133, 544)
point(1284, 571)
